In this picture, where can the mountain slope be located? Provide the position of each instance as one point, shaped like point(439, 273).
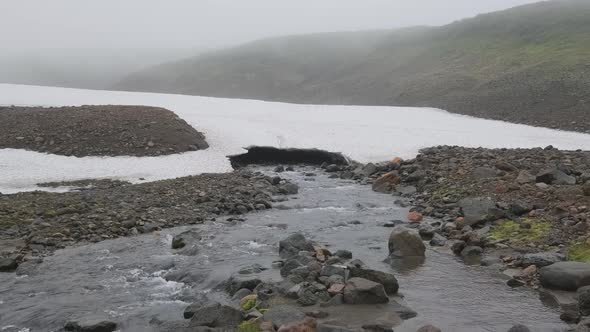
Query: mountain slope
point(529, 64)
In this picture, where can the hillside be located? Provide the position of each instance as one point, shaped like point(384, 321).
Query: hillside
point(528, 64)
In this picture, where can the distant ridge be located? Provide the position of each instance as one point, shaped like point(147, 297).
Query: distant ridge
point(529, 64)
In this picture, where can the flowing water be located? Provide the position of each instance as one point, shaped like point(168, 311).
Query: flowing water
point(123, 279)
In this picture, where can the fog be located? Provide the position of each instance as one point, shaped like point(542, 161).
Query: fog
point(93, 43)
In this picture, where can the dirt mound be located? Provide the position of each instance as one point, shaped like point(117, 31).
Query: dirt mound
point(108, 130)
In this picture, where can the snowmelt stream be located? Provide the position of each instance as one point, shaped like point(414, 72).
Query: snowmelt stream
point(123, 279)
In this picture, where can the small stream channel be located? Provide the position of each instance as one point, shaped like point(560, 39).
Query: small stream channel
point(123, 279)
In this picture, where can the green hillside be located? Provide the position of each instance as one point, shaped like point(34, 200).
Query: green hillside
point(529, 64)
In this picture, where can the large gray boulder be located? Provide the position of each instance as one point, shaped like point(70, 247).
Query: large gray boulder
point(388, 280)
point(292, 245)
point(525, 177)
point(237, 282)
point(216, 315)
point(283, 314)
point(584, 300)
point(484, 173)
point(406, 242)
point(7, 264)
point(476, 209)
point(429, 328)
point(567, 276)
point(542, 259)
point(555, 176)
point(519, 328)
point(90, 326)
point(363, 291)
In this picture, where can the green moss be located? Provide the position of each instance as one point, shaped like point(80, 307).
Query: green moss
point(579, 252)
point(249, 326)
point(449, 194)
point(248, 305)
point(527, 231)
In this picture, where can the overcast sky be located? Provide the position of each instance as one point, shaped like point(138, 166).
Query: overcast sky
point(27, 25)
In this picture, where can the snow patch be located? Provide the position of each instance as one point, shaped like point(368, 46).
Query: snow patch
point(363, 133)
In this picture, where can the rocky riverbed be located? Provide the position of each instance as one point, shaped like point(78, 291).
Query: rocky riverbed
point(106, 130)
point(326, 259)
point(33, 224)
point(526, 210)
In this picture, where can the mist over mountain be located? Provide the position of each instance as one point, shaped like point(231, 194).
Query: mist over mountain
point(85, 68)
point(528, 64)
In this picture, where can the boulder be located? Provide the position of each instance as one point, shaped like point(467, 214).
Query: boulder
point(344, 254)
point(415, 216)
point(191, 237)
point(484, 173)
point(470, 251)
point(7, 264)
point(555, 176)
point(292, 245)
point(567, 276)
point(386, 183)
point(330, 270)
point(476, 210)
point(289, 188)
point(283, 314)
point(583, 326)
point(216, 315)
point(472, 254)
point(542, 259)
point(237, 282)
point(505, 166)
point(90, 326)
point(388, 280)
point(378, 327)
point(586, 188)
point(519, 328)
point(429, 328)
point(252, 269)
point(525, 177)
point(363, 291)
point(584, 300)
point(307, 325)
point(290, 265)
point(405, 242)
point(438, 240)
point(367, 170)
point(519, 208)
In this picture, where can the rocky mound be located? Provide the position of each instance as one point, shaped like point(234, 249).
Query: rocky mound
point(533, 198)
point(108, 130)
point(525, 211)
point(40, 222)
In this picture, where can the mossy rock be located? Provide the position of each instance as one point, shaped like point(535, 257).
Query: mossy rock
point(450, 194)
point(579, 252)
point(249, 326)
point(248, 302)
point(527, 231)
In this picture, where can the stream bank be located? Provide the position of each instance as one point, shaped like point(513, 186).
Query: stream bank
point(140, 279)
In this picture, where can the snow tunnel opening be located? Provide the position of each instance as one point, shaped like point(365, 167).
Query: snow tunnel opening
point(265, 155)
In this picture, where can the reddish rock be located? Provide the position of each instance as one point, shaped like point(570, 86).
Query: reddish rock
point(397, 160)
point(267, 327)
point(306, 325)
point(415, 216)
point(429, 328)
point(528, 272)
point(387, 182)
point(460, 222)
point(336, 289)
